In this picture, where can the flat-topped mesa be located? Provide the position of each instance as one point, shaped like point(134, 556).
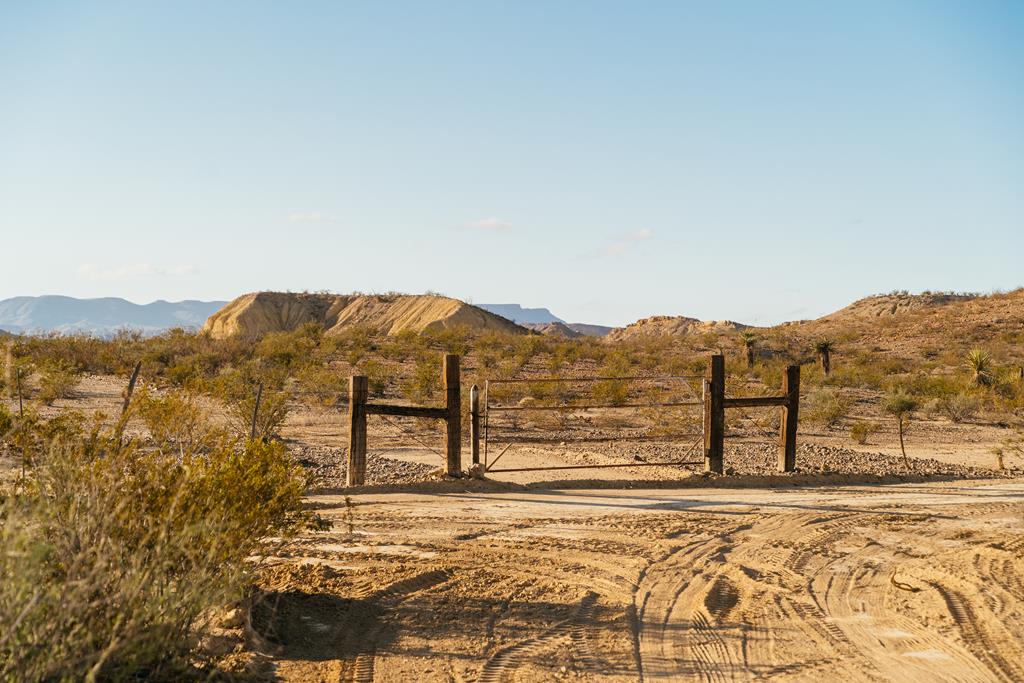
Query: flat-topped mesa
point(672, 325)
point(255, 314)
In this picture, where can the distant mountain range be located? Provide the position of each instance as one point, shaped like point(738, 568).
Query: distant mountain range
point(101, 317)
point(106, 316)
point(544, 321)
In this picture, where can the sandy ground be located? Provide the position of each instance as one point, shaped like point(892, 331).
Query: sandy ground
point(642, 573)
point(901, 582)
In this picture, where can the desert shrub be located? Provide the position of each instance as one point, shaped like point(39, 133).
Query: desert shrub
point(270, 418)
point(861, 431)
point(960, 407)
point(451, 340)
point(352, 342)
point(57, 379)
point(176, 421)
point(425, 381)
point(612, 391)
point(291, 347)
point(376, 376)
point(403, 346)
point(111, 560)
point(827, 406)
point(530, 346)
point(188, 370)
point(563, 353)
point(321, 384)
point(928, 385)
point(488, 359)
point(6, 421)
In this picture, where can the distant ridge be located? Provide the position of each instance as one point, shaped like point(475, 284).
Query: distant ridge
point(544, 321)
point(101, 317)
point(518, 314)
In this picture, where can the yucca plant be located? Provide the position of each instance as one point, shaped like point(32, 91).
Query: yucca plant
point(979, 362)
point(749, 341)
point(824, 348)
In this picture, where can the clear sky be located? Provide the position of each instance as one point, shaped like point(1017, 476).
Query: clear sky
point(758, 161)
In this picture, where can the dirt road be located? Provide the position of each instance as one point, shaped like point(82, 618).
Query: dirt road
point(903, 582)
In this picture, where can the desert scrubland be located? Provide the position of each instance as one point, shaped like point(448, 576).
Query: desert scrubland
point(154, 538)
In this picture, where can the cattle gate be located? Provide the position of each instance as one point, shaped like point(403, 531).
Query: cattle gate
point(710, 432)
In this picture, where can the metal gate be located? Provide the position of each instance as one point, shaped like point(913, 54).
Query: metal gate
point(541, 415)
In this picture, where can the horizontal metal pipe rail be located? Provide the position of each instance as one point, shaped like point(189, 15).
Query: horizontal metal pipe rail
point(594, 467)
point(603, 406)
point(591, 379)
point(597, 439)
point(757, 402)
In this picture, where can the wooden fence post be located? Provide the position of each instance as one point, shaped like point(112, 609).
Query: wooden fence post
point(122, 421)
point(474, 423)
point(790, 415)
point(256, 411)
point(358, 392)
point(453, 436)
point(131, 388)
point(714, 415)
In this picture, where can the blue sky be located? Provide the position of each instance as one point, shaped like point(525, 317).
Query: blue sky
point(758, 161)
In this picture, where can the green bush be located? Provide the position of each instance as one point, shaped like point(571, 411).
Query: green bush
point(290, 348)
point(176, 421)
point(860, 431)
point(613, 391)
point(827, 406)
point(322, 384)
point(425, 381)
point(270, 418)
point(110, 561)
point(376, 376)
point(960, 407)
point(57, 379)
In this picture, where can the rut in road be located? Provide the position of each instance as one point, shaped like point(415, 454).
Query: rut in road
point(799, 595)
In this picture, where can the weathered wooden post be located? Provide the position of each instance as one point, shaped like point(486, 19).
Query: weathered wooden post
point(474, 423)
point(256, 411)
point(453, 436)
point(122, 421)
point(358, 392)
point(790, 415)
point(714, 415)
point(130, 389)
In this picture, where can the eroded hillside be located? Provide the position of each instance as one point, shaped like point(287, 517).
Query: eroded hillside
point(255, 314)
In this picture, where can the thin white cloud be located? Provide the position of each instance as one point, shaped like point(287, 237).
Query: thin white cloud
point(627, 242)
point(92, 271)
point(310, 217)
point(492, 224)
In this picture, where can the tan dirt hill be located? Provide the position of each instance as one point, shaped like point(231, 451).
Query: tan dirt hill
point(255, 314)
point(897, 303)
point(908, 324)
point(672, 325)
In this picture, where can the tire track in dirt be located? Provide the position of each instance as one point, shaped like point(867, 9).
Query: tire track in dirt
point(359, 668)
point(975, 635)
point(503, 664)
point(780, 577)
point(900, 649)
point(686, 600)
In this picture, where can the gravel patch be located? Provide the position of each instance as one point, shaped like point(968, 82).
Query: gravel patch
point(327, 465)
point(761, 459)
